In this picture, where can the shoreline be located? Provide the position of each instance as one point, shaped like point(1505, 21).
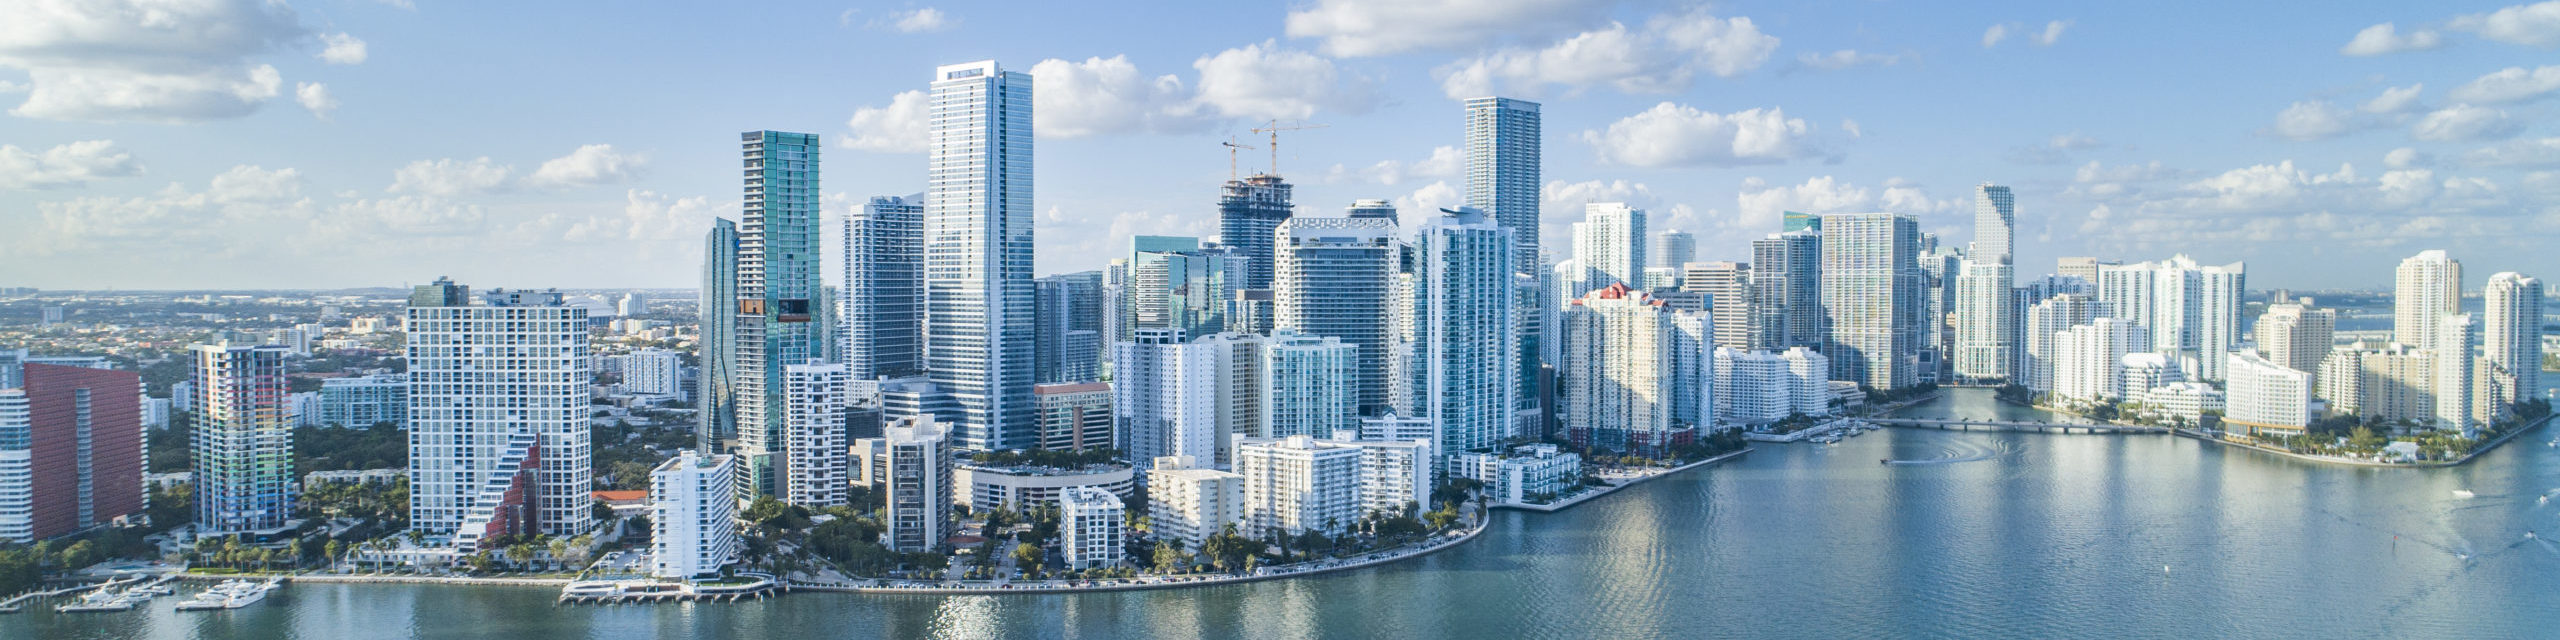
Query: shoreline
point(1183, 582)
point(2199, 436)
point(1585, 496)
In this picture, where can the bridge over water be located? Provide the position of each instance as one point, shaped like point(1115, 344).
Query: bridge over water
point(2001, 425)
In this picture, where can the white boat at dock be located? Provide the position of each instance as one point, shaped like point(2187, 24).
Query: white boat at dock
point(231, 595)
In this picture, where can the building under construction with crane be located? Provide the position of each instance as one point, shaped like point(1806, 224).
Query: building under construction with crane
point(1251, 208)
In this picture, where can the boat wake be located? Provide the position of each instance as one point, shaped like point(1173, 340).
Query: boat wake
point(1961, 452)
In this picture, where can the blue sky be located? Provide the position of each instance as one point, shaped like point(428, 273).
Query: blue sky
point(231, 144)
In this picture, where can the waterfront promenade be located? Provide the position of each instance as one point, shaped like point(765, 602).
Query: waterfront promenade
point(1621, 482)
point(1140, 583)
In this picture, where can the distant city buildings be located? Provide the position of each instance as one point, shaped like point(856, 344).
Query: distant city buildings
point(1529, 474)
point(360, 402)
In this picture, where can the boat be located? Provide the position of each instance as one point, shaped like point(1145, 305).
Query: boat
point(2463, 493)
point(230, 595)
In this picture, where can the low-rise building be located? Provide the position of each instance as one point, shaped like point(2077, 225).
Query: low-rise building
point(1298, 483)
point(990, 487)
point(1074, 416)
point(1091, 523)
point(363, 401)
point(693, 515)
point(1187, 503)
point(1528, 474)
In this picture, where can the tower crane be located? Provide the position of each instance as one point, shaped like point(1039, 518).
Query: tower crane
point(1232, 146)
point(1274, 128)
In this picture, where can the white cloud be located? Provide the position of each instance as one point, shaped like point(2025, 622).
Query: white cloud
point(2512, 84)
point(2052, 33)
point(897, 128)
point(1846, 58)
point(1107, 96)
point(1991, 37)
point(11, 87)
point(2534, 24)
point(649, 216)
point(315, 97)
point(1264, 81)
point(414, 215)
point(2463, 122)
point(924, 20)
point(449, 177)
point(1851, 126)
point(1444, 162)
point(1360, 28)
point(1679, 135)
point(251, 183)
point(2311, 120)
point(342, 49)
point(1663, 56)
point(2539, 152)
point(2055, 150)
point(2395, 100)
point(65, 165)
point(148, 61)
point(1760, 203)
point(2386, 38)
point(2405, 157)
point(589, 165)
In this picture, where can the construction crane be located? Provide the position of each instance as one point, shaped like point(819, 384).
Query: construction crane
point(1274, 128)
point(1232, 146)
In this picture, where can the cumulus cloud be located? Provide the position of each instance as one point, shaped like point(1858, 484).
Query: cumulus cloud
point(1444, 162)
point(2512, 84)
point(2463, 122)
point(1679, 135)
point(450, 177)
point(2250, 208)
point(411, 215)
point(139, 60)
point(2385, 38)
point(2526, 24)
point(252, 183)
point(2312, 120)
point(341, 48)
point(2539, 152)
point(1359, 28)
point(649, 216)
point(2395, 100)
point(1761, 204)
point(898, 127)
point(2405, 157)
point(1846, 58)
point(1991, 37)
point(1266, 81)
point(243, 202)
point(922, 20)
point(315, 97)
point(1108, 96)
point(1663, 56)
point(2052, 33)
point(65, 165)
point(589, 165)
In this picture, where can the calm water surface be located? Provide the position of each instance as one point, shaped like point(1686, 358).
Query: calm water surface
point(1985, 535)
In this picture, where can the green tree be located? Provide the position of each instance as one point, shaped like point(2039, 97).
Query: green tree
point(1169, 556)
point(1027, 556)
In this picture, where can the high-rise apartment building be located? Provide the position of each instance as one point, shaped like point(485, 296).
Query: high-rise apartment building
point(1298, 483)
point(2042, 335)
point(2191, 310)
point(1637, 376)
point(1336, 278)
point(716, 396)
point(2457, 337)
point(1872, 298)
point(1091, 525)
point(1460, 373)
point(810, 468)
point(244, 438)
point(1179, 283)
point(1310, 385)
point(359, 402)
point(1786, 291)
point(778, 293)
point(977, 229)
point(1371, 209)
point(1248, 211)
point(1760, 387)
point(2263, 398)
point(71, 450)
point(1673, 249)
point(1067, 335)
point(693, 515)
point(882, 291)
point(1609, 243)
point(2512, 335)
point(2088, 364)
point(2297, 335)
point(909, 466)
point(1503, 169)
point(2428, 287)
point(1726, 289)
point(1188, 502)
point(498, 406)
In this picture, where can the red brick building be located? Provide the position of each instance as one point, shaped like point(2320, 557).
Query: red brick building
point(86, 441)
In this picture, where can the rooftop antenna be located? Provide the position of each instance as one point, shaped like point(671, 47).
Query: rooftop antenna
point(1274, 128)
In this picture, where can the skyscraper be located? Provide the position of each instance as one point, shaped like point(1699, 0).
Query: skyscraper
point(1187, 290)
point(2297, 336)
point(1727, 289)
point(978, 282)
point(1460, 374)
point(811, 464)
point(1986, 330)
point(243, 439)
point(2429, 286)
point(1248, 210)
point(883, 289)
point(909, 467)
point(498, 414)
point(1067, 328)
point(71, 450)
point(1637, 376)
point(778, 291)
point(2456, 336)
point(1336, 278)
point(2512, 337)
point(1610, 244)
point(1503, 169)
point(1786, 291)
point(1871, 298)
point(716, 415)
point(1311, 385)
point(1995, 217)
point(2044, 324)
point(1672, 249)
point(2191, 310)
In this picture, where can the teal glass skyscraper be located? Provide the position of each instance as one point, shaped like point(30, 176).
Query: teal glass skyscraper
point(778, 282)
point(716, 417)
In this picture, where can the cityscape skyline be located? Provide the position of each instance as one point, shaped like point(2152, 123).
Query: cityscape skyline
point(2391, 142)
